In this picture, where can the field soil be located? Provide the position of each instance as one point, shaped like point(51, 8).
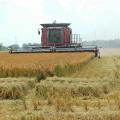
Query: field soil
point(90, 93)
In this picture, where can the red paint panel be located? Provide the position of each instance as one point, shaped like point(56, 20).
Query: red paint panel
point(44, 37)
point(66, 36)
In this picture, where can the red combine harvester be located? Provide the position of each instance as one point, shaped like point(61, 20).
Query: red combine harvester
point(58, 37)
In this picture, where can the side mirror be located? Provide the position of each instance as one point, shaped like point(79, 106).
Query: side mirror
point(38, 32)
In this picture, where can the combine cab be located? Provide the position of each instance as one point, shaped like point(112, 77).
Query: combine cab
point(58, 37)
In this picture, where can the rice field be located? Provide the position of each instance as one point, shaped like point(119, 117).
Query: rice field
point(29, 65)
point(88, 92)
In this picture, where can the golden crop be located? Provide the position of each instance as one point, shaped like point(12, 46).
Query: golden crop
point(91, 94)
point(15, 65)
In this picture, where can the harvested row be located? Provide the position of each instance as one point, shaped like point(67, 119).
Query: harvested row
point(75, 89)
point(12, 90)
point(70, 116)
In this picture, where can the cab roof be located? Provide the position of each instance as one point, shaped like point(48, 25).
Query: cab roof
point(55, 25)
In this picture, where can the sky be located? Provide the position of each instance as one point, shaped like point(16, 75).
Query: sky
point(93, 19)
